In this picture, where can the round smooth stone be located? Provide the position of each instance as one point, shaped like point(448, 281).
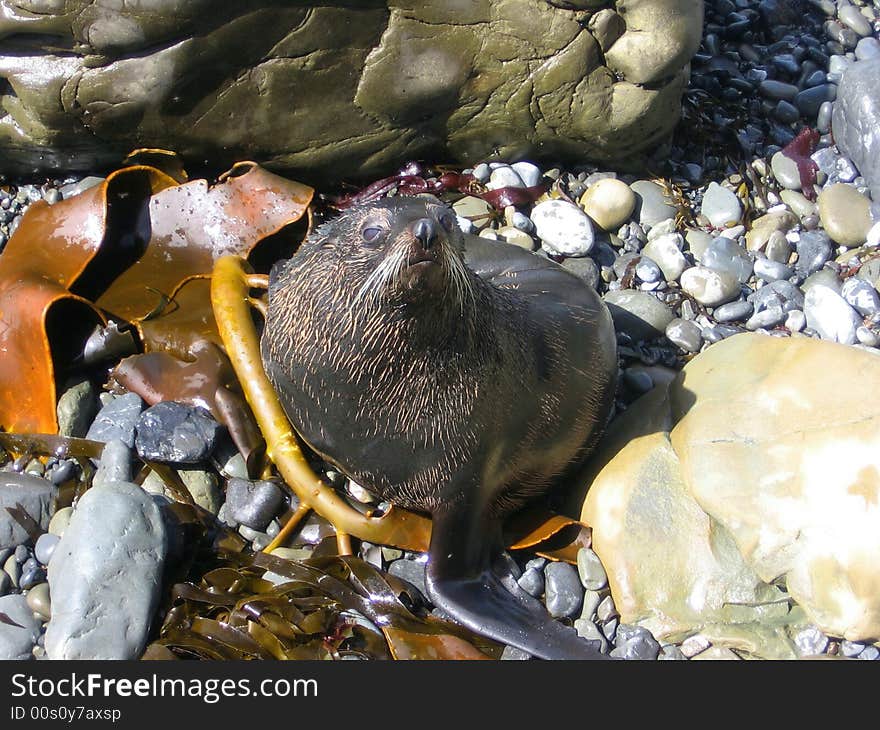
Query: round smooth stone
point(590, 570)
point(734, 311)
point(859, 294)
point(686, 335)
point(829, 314)
point(504, 177)
point(563, 228)
point(39, 602)
point(710, 287)
point(60, 520)
point(867, 48)
point(785, 171)
point(652, 202)
point(867, 337)
point(814, 249)
point(726, 255)
point(766, 318)
point(474, 209)
point(770, 270)
point(795, 320)
point(46, 543)
point(529, 173)
point(637, 313)
point(665, 251)
point(482, 172)
point(778, 248)
point(609, 202)
point(563, 591)
point(798, 203)
point(823, 118)
point(721, 206)
point(777, 90)
point(698, 241)
point(845, 214)
point(809, 101)
point(517, 237)
point(648, 271)
point(850, 16)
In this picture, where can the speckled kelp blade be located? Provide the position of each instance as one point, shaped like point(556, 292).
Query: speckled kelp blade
point(48, 272)
point(324, 608)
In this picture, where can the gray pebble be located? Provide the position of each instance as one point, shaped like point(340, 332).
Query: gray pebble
point(728, 256)
point(31, 575)
point(795, 320)
point(647, 270)
point(733, 311)
point(823, 277)
point(482, 172)
point(769, 270)
point(76, 408)
point(529, 173)
point(532, 582)
point(635, 642)
point(588, 630)
point(851, 648)
point(670, 652)
point(585, 268)
point(62, 471)
point(117, 420)
point(5, 583)
point(780, 293)
point(45, 546)
point(685, 335)
point(867, 48)
point(590, 606)
point(721, 206)
point(637, 313)
point(850, 15)
point(563, 592)
point(175, 433)
point(811, 641)
point(870, 653)
point(823, 117)
point(115, 464)
point(609, 628)
point(830, 316)
point(867, 337)
point(606, 610)
point(411, 571)
point(808, 101)
point(777, 90)
point(785, 171)
point(253, 504)
point(22, 554)
point(12, 569)
point(590, 570)
point(637, 380)
point(814, 249)
point(860, 295)
point(652, 204)
point(766, 318)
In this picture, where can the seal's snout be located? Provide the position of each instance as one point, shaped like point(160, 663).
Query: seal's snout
point(425, 231)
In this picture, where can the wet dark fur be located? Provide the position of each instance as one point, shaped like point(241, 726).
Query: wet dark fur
point(455, 399)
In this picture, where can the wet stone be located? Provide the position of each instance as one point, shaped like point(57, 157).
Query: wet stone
point(725, 255)
point(511, 653)
point(710, 287)
point(411, 571)
point(563, 592)
point(665, 251)
point(639, 314)
point(859, 294)
point(721, 206)
point(850, 16)
point(563, 228)
point(76, 409)
point(175, 433)
point(253, 504)
point(651, 203)
point(733, 311)
point(588, 630)
point(45, 546)
point(635, 643)
point(647, 270)
point(34, 495)
point(814, 249)
point(685, 335)
point(766, 318)
point(532, 582)
point(590, 570)
point(829, 314)
point(117, 420)
point(770, 270)
point(809, 101)
point(785, 171)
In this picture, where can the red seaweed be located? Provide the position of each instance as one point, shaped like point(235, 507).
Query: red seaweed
point(799, 150)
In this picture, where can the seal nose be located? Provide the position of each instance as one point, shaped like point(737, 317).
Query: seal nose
point(425, 230)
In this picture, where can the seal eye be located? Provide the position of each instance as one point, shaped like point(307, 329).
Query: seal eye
point(371, 234)
point(448, 221)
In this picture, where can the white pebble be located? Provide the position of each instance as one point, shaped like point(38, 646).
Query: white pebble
point(563, 228)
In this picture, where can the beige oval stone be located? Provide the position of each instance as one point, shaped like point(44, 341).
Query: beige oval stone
point(513, 235)
point(845, 213)
point(765, 225)
point(59, 521)
point(609, 202)
point(39, 602)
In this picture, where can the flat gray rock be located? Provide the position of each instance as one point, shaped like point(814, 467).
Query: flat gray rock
point(17, 642)
point(33, 494)
point(117, 420)
point(105, 574)
point(638, 314)
point(175, 433)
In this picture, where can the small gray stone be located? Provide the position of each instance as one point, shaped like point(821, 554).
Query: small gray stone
point(563, 592)
point(811, 641)
point(175, 433)
point(635, 642)
point(786, 112)
point(529, 173)
point(504, 177)
point(728, 256)
point(202, 485)
point(32, 494)
point(829, 314)
point(532, 582)
point(76, 408)
point(778, 248)
point(823, 277)
point(45, 546)
point(588, 630)
point(795, 320)
point(563, 228)
point(117, 420)
point(411, 571)
point(867, 48)
point(710, 287)
point(592, 599)
point(769, 270)
point(809, 101)
point(253, 504)
point(585, 268)
point(648, 271)
point(665, 251)
point(590, 570)
point(606, 610)
point(860, 295)
point(867, 337)
point(734, 311)
point(856, 119)
point(115, 464)
point(652, 203)
point(777, 90)
point(17, 642)
point(851, 648)
point(850, 15)
point(870, 653)
point(106, 575)
point(670, 652)
point(721, 206)
point(39, 601)
point(823, 118)
point(766, 318)
point(31, 574)
point(777, 294)
point(637, 313)
point(814, 249)
point(685, 335)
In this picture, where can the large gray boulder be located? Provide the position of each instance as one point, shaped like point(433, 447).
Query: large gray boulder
point(856, 119)
point(337, 88)
point(106, 574)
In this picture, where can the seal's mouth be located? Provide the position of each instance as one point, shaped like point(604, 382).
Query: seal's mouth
point(421, 259)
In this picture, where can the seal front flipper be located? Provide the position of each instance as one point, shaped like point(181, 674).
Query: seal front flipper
point(461, 582)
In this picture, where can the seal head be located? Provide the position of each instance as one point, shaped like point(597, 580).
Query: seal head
point(448, 374)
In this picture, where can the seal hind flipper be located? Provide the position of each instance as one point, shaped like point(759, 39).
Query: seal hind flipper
point(461, 582)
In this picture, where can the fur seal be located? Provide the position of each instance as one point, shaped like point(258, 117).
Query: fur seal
point(449, 374)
